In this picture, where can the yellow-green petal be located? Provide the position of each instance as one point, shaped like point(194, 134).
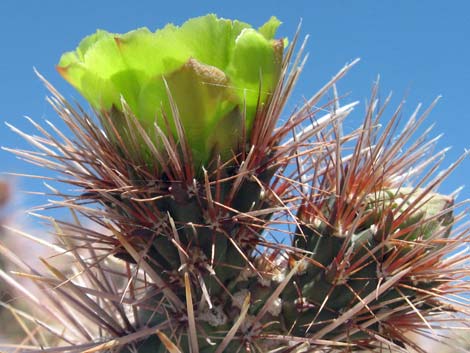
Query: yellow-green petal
point(202, 96)
point(254, 69)
point(268, 30)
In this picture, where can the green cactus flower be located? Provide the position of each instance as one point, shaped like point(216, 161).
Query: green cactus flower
point(314, 240)
point(218, 72)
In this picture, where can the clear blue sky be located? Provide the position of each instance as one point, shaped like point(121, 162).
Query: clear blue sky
point(420, 48)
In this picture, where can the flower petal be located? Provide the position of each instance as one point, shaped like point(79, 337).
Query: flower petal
point(203, 97)
point(254, 69)
point(268, 30)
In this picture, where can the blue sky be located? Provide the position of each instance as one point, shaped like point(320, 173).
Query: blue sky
point(420, 48)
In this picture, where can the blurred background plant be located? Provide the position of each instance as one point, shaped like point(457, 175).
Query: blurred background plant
point(4, 196)
point(9, 325)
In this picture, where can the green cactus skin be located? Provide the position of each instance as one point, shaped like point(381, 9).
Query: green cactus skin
point(297, 316)
point(343, 266)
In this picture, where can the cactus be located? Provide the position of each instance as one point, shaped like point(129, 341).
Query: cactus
point(215, 227)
